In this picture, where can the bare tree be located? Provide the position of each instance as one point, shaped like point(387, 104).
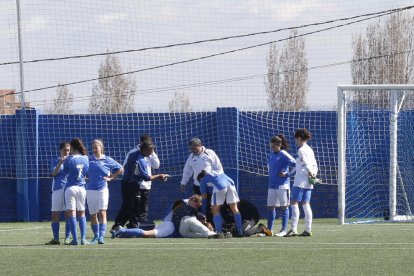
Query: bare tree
point(383, 55)
point(63, 101)
point(287, 79)
point(180, 103)
point(115, 92)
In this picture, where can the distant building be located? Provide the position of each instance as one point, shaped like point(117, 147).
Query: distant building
point(8, 103)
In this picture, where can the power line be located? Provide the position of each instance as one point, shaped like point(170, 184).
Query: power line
point(205, 57)
point(214, 39)
point(169, 88)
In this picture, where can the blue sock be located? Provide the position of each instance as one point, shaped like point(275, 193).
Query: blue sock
point(218, 221)
point(204, 206)
point(271, 215)
point(238, 220)
point(73, 228)
point(95, 229)
point(55, 230)
point(285, 219)
point(67, 229)
point(102, 230)
point(132, 233)
point(82, 227)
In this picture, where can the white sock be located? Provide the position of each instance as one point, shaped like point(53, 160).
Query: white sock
point(308, 217)
point(295, 217)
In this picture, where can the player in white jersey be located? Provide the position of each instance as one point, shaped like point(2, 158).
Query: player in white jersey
point(200, 159)
point(306, 169)
point(102, 169)
point(58, 194)
point(145, 186)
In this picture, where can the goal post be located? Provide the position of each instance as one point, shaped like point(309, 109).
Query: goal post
point(375, 153)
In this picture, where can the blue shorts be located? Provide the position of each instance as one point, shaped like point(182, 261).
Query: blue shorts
point(300, 194)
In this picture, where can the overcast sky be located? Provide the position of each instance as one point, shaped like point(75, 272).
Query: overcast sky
point(53, 29)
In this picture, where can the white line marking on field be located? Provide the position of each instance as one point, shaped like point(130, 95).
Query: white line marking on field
point(22, 229)
point(265, 242)
point(192, 248)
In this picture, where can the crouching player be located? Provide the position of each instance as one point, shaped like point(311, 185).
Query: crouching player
point(223, 190)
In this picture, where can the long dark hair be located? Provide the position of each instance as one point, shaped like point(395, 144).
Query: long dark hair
point(77, 144)
point(280, 139)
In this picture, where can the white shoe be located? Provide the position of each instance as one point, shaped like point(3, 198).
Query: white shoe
point(281, 233)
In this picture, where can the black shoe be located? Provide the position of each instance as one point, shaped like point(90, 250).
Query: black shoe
point(306, 234)
point(239, 234)
point(291, 233)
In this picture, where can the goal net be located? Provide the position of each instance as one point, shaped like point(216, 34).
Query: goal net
point(375, 153)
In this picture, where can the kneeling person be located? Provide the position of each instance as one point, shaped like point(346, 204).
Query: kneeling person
point(224, 190)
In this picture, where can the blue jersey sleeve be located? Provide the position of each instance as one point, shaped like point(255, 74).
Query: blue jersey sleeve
point(113, 165)
point(143, 169)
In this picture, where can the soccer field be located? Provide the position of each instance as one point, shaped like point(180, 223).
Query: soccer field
point(381, 249)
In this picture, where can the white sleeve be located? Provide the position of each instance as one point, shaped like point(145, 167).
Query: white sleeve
point(307, 163)
point(216, 164)
point(154, 161)
point(187, 172)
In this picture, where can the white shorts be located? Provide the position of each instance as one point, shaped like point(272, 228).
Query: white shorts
point(75, 198)
point(228, 194)
point(278, 197)
point(164, 229)
point(97, 200)
point(58, 201)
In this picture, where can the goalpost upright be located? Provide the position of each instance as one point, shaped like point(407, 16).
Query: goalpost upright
point(395, 102)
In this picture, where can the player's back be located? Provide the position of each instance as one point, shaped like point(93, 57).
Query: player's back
point(76, 168)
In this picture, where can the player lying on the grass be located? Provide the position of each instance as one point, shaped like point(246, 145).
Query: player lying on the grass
point(223, 190)
point(250, 216)
point(182, 221)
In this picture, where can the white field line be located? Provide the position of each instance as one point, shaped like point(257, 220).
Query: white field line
point(192, 248)
point(23, 229)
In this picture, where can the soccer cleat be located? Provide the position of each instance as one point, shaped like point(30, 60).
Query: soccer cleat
point(291, 233)
point(94, 240)
point(73, 242)
point(263, 229)
point(281, 233)
point(101, 240)
point(228, 235)
point(217, 236)
point(53, 242)
point(67, 241)
point(116, 232)
point(306, 234)
point(239, 234)
point(84, 242)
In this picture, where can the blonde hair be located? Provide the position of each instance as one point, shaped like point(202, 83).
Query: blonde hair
point(100, 143)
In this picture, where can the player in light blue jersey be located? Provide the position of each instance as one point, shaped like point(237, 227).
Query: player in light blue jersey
point(102, 169)
point(58, 194)
point(223, 190)
point(76, 167)
point(306, 169)
point(279, 183)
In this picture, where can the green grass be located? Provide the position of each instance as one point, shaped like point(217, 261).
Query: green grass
point(375, 249)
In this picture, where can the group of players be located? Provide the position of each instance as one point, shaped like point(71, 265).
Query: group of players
point(187, 217)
